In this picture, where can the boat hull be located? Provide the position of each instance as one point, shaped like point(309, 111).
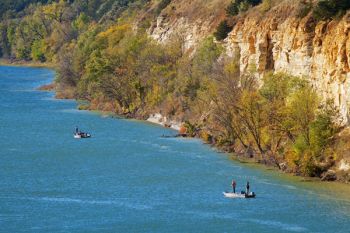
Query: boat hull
point(81, 135)
point(239, 195)
point(233, 195)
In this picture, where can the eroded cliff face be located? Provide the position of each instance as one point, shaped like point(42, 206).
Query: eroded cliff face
point(276, 40)
point(281, 41)
point(191, 21)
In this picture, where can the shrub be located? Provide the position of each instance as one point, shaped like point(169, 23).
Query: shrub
point(329, 9)
point(38, 51)
point(206, 137)
point(307, 165)
point(266, 5)
point(237, 6)
point(232, 9)
point(162, 5)
point(292, 160)
point(191, 129)
point(222, 30)
point(323, 128)
point(304, 9)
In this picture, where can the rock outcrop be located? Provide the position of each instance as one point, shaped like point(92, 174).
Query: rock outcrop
point(190, 20)
point(344, 165)
point(281, 41)
point(158, 118)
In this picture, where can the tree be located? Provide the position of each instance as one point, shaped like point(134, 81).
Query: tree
point(253, 117)
point(232, 9)
point(5, 46)
point(324, 127)
point(222, 30)
point(275, 90)
point(67, 76)
point(237, 6)
point(301, 109)
point(38, 50)
point(328, 9)
point(225, 118)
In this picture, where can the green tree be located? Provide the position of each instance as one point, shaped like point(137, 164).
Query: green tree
point(38, 50)
point(324, 127)
point(222, 30)
point(302, 106)
point(237, 6)
point(328, 9)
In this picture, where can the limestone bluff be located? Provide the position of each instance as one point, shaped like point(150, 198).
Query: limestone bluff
point(277, 40)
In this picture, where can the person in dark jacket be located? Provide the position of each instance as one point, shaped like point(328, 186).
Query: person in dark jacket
point(247, 186)
point(233, 186)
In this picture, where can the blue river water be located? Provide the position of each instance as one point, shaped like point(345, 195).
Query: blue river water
point(127, 178)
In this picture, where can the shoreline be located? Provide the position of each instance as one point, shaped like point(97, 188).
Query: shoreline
point(9, 62)
point(158, 119)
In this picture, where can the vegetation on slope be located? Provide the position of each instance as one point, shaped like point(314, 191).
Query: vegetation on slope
point(238, 6)
point(328, 9)
point(282, 123)
point(40, 30)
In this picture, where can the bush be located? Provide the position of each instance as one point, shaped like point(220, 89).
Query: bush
point(266, 5)
point(307, 165)
point(304, 9)
point(237, 6)
point(191, 129)
point(162, 5)
point(329, 9)
point(38, 51)
point(232, 9)
point(206, 137)
point(323, 128)
point(222, 30)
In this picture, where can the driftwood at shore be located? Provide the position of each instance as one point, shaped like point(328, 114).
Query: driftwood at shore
point(174, 136)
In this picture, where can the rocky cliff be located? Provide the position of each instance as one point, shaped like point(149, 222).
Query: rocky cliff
point(191, 20)
point(279, 39)
point(285, 38)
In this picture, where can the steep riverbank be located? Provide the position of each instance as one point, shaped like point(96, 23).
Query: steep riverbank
point(243, 155)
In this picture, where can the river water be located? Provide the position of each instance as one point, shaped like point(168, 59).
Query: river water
point(127, 178)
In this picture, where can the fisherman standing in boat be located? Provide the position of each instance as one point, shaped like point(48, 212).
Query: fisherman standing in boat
point(234, 186)
point(76, 130)
point(247, 191)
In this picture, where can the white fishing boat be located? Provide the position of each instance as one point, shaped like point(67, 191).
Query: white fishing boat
point(239, 195)
point(81, 135)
